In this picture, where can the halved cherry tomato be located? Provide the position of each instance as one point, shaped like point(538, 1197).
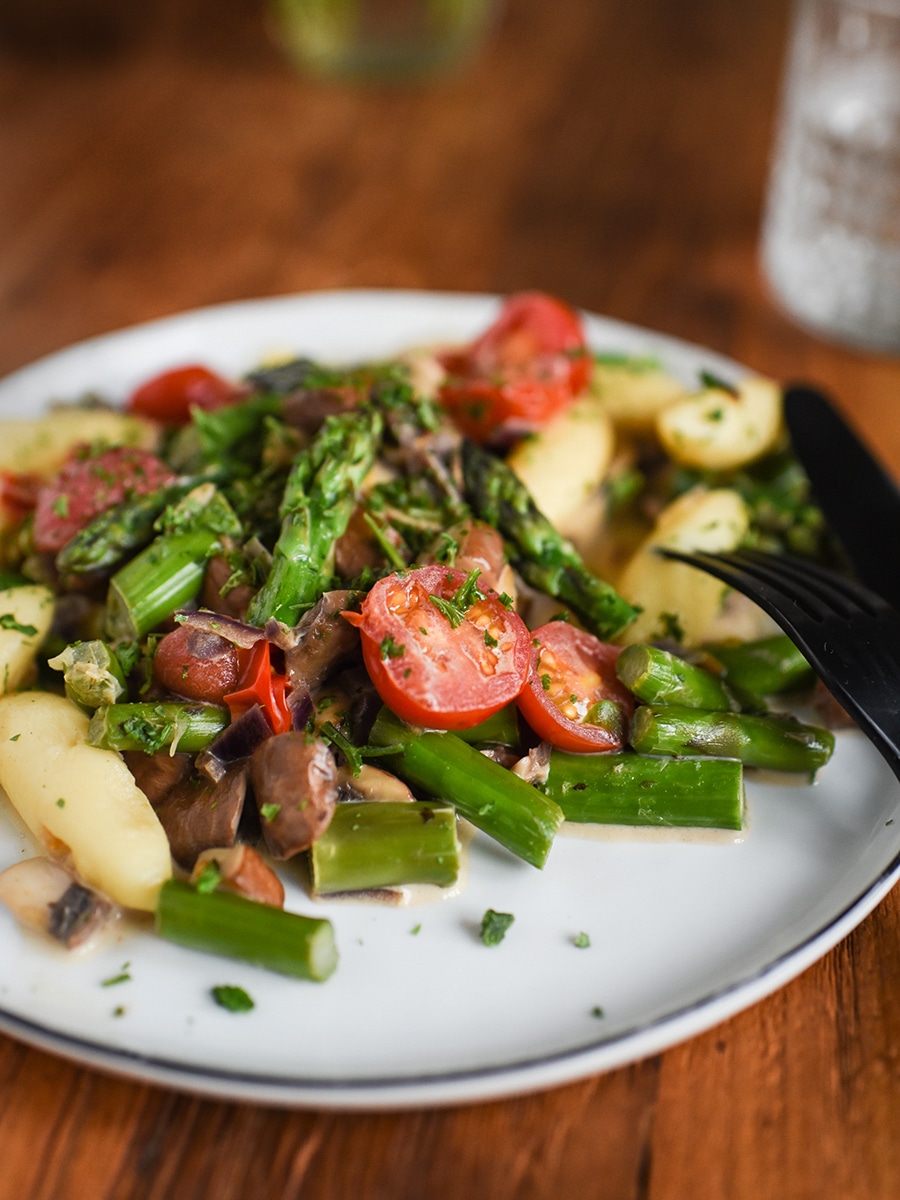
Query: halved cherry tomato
point(170, 396)
point(194, 663)
point(261, 684)
point(528, 366)
point(573, 698)
point(18, 495)
point(440, 671)
point(89, 484)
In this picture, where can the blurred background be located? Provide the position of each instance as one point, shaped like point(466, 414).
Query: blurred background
point(169, 154)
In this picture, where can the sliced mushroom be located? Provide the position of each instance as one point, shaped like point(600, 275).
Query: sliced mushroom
point(535, 766)
point(371, 783)
point(231, 603)
point(324, 642)
point(307, 408)
point(295, 784)
point(243, 870)
point(358, 547)
point(45, 897)
point(199, 814)
point(156, 774)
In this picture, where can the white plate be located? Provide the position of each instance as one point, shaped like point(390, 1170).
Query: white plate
point(682, 935)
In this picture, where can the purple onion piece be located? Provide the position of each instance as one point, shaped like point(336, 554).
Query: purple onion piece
point(237, 632)
point(237, 741)
point(300, 703)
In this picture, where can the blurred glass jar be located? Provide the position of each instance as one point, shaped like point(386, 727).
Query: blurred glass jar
point(831, 234)
point(381, 39)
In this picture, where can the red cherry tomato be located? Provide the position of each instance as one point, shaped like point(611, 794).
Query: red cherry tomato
point(260, 684)
point(18, 495)
point(440, 671)
point(573, 698)
point(528, 366)
point(89, 484)
point(169, 397)
point(194, 663)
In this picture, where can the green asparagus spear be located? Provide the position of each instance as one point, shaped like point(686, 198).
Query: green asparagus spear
point(149, 726)
point(223, 923)
point(495, 800)
point(168, 573)
point(657, 676)
point(634, 789)
point(768, 667)
point(780, 743)
point(543, 558)
point(382, 844)
point(119, 531)
point(318, 501)
point(162, 578)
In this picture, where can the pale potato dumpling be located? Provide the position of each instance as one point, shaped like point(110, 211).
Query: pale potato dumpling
point(564, 463)
point(674, 596)
point(634, 395)
point(26, 614)
point(718, 431)
point(79, 799)
point(41, 445)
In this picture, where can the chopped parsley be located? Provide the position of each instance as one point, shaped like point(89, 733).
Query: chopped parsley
point(231, 997)
point(494, 926)
point(389, 648)
point(60, 506)
point(269, 812)
point(461, 601)
point(209, 877)
point(8, 621)
point(581, 940)
point(351, 753)
point(123, 977)
point(489, 640)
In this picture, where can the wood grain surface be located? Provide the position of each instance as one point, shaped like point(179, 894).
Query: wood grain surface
point(165, 156)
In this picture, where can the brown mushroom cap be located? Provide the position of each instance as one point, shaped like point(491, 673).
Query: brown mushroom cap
point(294, 780)
point(198, 814)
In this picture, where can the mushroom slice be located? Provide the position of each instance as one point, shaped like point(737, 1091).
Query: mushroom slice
point(324, 641)
point(45, 897)
point(371, 783)
point(243, 870)
point(156, 774)
point(199, 814)
point(295, 784)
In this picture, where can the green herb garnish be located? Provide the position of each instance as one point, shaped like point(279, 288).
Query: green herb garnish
point(494, 926)
point(232, 998)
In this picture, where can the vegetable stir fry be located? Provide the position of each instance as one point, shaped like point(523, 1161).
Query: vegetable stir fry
point(328, 613)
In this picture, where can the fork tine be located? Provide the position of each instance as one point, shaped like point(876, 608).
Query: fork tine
point(769, 593)
point(849, 635)
point(842, 595)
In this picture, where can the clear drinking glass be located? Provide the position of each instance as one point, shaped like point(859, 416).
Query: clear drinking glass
point(831, 234)
point(380, 39)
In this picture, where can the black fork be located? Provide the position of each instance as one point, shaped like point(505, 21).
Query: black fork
point(849, 634)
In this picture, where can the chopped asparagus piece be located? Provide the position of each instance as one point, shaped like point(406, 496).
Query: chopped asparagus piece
point(223, 923)
point(768, 667)
point(657, 676)
point(495, 800)
point(633, 789)
point(378, 844)
point(149, 726)
point(779, 743)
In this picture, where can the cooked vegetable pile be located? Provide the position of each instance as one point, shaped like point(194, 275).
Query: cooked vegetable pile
point(327, 612)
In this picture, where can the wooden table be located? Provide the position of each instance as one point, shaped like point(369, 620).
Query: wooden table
point(612, 153)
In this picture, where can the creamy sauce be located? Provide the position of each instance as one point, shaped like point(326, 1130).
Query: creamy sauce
point(654, 834)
